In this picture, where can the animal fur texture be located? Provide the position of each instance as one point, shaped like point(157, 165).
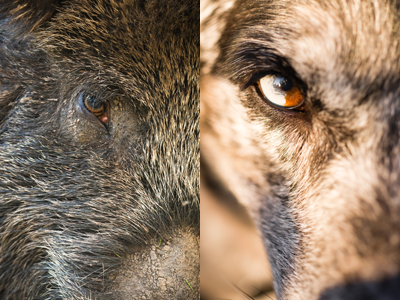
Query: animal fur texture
point(321, 182)
point(99, 207)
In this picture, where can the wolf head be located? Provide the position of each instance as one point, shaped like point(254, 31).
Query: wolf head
point(321, 178)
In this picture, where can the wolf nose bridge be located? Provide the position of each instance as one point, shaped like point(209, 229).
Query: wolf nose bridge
point(162, 269)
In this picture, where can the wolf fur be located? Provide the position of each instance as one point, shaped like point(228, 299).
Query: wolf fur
point(89, 211)
point(322, 184)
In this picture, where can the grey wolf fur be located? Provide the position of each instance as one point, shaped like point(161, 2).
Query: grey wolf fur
point(92, 210)
point(321, 184)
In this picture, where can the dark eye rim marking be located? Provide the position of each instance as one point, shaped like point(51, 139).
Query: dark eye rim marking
point(254, 59)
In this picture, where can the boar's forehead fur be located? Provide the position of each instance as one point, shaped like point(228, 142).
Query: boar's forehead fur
point(323, 185)
point(76, 197)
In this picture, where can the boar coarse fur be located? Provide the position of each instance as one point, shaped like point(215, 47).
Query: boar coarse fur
point(322, 182)
point(92, 209)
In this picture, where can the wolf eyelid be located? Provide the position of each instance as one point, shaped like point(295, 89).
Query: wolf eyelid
point(256, 77)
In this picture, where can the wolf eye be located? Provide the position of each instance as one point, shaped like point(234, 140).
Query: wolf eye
point(98, 108)
point(280, 91)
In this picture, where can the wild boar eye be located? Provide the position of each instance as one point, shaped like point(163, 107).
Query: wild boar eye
point(280, 91)
point(97, 107)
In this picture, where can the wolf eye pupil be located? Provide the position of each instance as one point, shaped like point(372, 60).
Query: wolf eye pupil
point(283, 83)
point(280, 91)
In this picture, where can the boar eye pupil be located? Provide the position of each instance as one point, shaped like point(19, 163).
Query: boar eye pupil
point(97, 107)
point(93, 105)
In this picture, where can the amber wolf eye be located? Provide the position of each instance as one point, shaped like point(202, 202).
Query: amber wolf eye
point(280, 91)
